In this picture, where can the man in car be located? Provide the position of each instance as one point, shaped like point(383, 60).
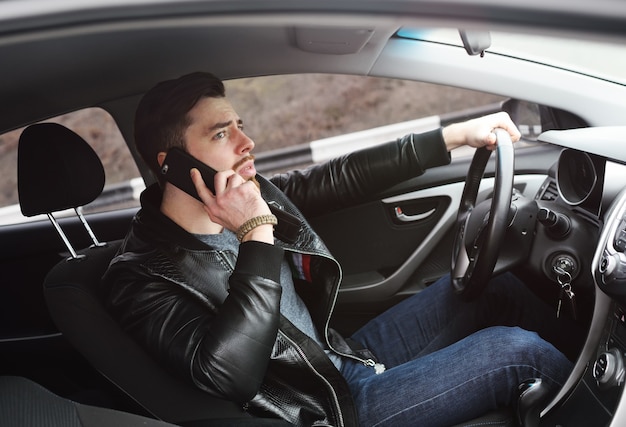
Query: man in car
point(208, 289)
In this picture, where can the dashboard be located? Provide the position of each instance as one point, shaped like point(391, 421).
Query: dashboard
point(582, 241)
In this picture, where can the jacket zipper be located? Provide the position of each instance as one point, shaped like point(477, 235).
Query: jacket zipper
point(379, 368)
point(306, 360)
point(310, 365)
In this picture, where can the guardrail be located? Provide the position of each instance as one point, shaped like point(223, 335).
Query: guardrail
point(126, 194)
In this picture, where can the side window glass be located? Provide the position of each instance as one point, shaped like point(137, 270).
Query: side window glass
point(98, 128)
point(296, 120)
point(526, 116)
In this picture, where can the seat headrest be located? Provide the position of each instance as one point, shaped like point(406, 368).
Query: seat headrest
point(56, 170)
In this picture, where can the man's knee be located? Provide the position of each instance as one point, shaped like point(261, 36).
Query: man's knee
point(520, 346)
point(517, 341)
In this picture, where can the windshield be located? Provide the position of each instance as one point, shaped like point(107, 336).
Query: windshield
point(595, 58)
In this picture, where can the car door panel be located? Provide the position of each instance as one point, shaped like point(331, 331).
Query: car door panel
point(381, 249)
point(386, 259)
point(383, 232)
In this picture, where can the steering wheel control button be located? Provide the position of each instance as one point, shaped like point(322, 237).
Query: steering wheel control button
point(608, 370)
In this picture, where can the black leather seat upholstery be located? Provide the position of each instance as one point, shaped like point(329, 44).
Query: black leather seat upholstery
point(70, 288)
point(25, 403)
point(70, 292)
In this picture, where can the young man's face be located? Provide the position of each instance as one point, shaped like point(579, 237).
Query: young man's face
point(215, 137)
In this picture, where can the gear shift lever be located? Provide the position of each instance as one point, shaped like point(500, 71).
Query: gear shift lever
point(532, 394)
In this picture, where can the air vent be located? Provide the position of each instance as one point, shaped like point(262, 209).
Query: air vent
point(548, 190)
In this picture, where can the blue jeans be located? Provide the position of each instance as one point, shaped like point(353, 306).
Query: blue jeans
point(449, 361)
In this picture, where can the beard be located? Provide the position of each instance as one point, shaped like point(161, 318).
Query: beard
point(254, 180)
point(241, 162)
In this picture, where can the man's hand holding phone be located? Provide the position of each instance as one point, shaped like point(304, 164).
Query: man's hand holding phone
point(234, 202)
point(227, 204)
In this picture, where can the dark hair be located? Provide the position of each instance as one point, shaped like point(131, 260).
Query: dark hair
point(161, 117)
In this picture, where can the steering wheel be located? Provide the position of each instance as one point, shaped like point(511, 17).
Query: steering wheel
point(475, 250)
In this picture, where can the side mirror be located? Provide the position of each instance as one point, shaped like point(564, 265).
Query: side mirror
point(526, 116)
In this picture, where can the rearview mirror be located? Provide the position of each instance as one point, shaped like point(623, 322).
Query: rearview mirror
point(475, 42)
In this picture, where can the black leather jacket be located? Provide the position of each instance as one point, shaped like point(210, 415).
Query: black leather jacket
point(214, 317)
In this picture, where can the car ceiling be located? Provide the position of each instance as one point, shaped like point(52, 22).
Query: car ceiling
point(71, 54)
point(65, 69)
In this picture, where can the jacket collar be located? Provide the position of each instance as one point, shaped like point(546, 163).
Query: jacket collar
point(160, 226)
point(166, 231)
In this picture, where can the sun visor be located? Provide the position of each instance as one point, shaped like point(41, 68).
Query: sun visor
point(330, 40)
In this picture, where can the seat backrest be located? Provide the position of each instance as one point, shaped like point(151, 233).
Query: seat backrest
point(58, 170)
point(70, 290)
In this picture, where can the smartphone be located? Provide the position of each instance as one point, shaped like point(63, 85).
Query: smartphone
point(176, 167)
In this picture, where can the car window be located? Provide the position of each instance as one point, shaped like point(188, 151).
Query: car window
point(295, 120)
point(318, 116)
point(98, 128)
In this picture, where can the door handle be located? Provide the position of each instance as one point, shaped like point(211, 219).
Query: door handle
point(401, 216)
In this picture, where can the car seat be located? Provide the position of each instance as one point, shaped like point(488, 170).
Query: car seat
point(26, 403)
point(58, 170)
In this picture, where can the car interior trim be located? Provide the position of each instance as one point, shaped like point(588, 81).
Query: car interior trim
point(364, 289)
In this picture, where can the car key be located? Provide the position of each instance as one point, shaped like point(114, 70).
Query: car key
point(564, 279)
point(567, 288)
